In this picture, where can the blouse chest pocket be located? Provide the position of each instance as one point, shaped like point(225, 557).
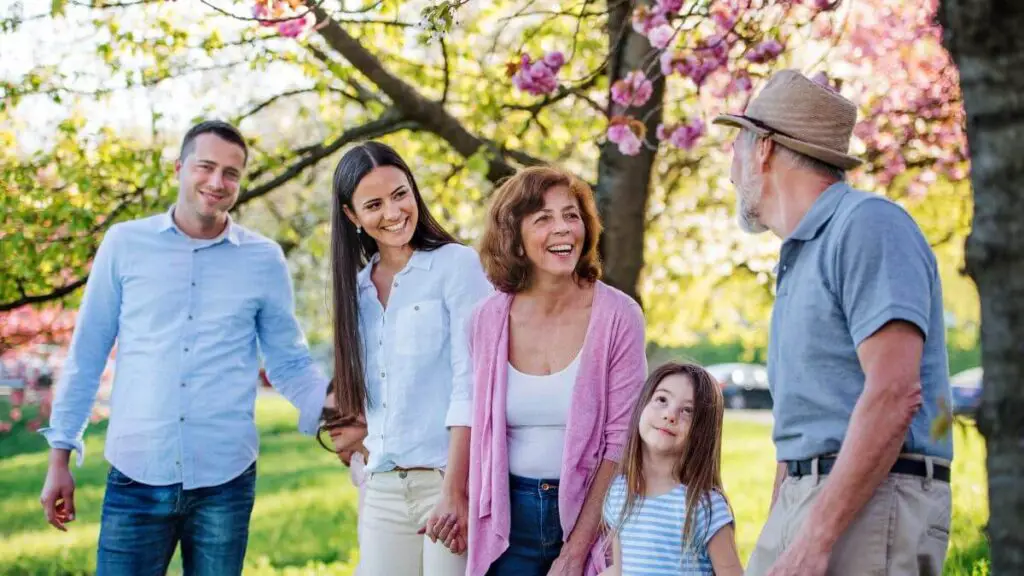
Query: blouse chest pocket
point(419, 328)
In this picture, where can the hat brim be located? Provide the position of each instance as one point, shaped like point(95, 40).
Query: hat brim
point(831, 157)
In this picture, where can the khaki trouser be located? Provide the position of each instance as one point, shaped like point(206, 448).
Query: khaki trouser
point(903, 529)
point(396, 506)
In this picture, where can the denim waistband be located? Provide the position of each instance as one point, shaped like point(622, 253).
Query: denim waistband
point(538, 485)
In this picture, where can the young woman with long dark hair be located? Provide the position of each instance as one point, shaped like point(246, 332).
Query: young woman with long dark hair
point(403, 291)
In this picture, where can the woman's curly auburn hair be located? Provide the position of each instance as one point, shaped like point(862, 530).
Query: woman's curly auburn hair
point(507, 267)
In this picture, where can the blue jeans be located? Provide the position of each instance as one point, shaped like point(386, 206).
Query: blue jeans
point(142, 525)
point(535, 533)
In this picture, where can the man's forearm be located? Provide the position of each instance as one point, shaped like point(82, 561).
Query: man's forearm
point(877, 429)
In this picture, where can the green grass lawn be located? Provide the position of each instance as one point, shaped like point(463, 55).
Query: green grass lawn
point(304, 519)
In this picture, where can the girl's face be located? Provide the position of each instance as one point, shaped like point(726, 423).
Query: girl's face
point(384, 205)
point(665, 420)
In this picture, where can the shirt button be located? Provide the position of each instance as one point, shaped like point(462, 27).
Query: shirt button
point(182, 419)
point(385, 404)
point(182, 384)
point(193, 283)
point(189, 316)
point(383, 375)
point(396, 283)
point(186, 349)
point(416, 308)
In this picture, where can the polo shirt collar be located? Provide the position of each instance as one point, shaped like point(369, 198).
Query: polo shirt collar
point(820, 213)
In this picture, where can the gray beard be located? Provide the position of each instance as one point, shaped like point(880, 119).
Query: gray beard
point(746, 215)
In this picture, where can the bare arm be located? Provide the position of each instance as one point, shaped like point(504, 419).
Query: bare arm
point(449, 521)
point(577, 546)
point(891, 359)
point(722, 550)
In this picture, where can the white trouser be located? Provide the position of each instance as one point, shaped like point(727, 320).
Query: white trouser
point(395, 506)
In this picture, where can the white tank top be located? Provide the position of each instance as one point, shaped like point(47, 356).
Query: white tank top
point(537, 408)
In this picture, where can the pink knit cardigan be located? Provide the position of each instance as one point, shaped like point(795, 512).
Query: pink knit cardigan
point(612, 371)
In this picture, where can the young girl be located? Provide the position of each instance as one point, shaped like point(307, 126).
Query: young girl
point(666, 509)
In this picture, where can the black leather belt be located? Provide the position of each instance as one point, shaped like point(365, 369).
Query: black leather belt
point(902, 466)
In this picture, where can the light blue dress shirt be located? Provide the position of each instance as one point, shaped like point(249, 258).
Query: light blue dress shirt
point(419, 379)
point(187, 315)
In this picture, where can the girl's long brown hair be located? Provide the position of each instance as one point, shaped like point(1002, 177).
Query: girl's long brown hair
point(699, 466)
point(350, 252)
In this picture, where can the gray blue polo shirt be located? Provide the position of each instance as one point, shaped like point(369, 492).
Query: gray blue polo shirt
point(855, 262)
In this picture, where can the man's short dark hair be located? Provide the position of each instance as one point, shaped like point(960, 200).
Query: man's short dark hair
point(222, 129)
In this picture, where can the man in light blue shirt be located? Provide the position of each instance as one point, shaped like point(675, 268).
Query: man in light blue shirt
point(188, 295)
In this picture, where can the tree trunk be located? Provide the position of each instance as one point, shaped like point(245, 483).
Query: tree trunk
point(984, 38)
point(623, 182)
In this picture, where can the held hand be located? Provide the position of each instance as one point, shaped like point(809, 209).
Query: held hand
point(803, 558)
point(449, 522)
point(58, 496)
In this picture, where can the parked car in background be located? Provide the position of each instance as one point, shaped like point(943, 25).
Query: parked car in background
point(743, 385)
point(966, 389)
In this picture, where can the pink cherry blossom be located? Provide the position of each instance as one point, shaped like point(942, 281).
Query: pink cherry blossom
point(627, 133)
point(689, 66)
point(661, 36)
point(739, 84)
point(682, 136)
point(669, 6)
point(765, 51)
point(823, 5)
point(291, 28)
point(538, 77)
point(633, 90)
point(628, 142)
point(715, 47)
point(645, 20)
point(554, 60)
point(261, 12)
point(723, 17)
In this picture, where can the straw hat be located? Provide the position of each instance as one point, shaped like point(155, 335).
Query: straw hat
point(801, 115)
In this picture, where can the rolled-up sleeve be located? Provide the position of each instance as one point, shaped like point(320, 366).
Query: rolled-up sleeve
point(465, 286)
point(884, 270)
point(626, 374)
point(290, 367)
point(96, 328)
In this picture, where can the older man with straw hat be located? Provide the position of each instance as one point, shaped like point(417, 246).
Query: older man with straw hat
point(857, 353)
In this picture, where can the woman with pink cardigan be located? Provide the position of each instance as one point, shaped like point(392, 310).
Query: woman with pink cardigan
point(558, 362)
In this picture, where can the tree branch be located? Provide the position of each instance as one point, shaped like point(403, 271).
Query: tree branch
point(447, 71)
point(431, 115)
point(388, 122)
point(39, 298)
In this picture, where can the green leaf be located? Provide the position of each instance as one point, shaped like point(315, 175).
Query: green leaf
point(479, 161)
point(57, 7)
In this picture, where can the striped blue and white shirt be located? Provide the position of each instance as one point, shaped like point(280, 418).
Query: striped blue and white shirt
point(651, 539)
